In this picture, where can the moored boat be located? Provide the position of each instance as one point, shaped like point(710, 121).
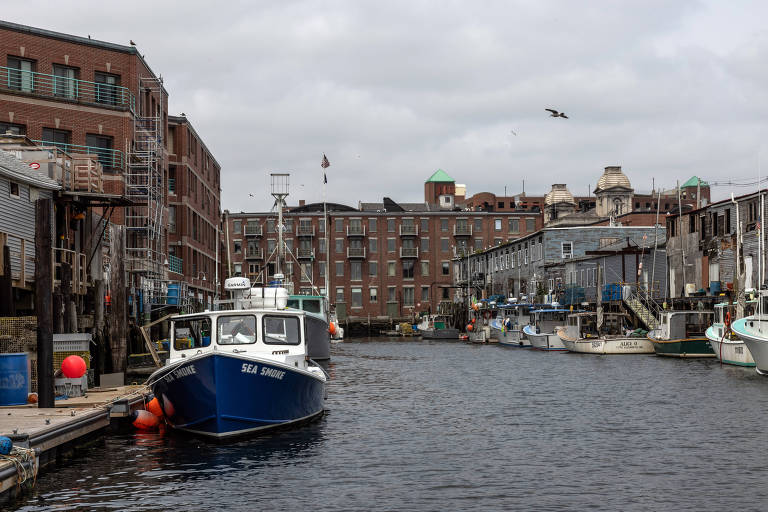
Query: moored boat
point(435, 327)
point(542, 331)
point(727, 346)
point(682, 334)
point(753, 331)
point(240, 371)
point(587, 335)
point(509, 326)
point(318, 324)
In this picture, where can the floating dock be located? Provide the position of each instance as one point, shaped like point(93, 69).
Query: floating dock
point(39, 435)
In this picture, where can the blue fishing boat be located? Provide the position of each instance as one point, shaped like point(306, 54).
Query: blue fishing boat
point(241, 371)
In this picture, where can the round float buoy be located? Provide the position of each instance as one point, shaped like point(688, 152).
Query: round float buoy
point(32, 398)
point(5, 445)
point(473, 320)
point(73, 367)
point(144, 420)
point(332, 328)
point(469, 327)
point(153, 406)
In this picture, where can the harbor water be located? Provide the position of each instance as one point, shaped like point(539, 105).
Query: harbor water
point(417, 425)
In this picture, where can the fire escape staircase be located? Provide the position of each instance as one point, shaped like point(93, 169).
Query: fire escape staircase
point(645, 308)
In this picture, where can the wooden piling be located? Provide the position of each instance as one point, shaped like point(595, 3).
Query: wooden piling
point(7, 305)
point(118, 321)
point(43, 303)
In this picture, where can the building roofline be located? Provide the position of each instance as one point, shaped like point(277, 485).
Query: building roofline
point(718, 203)
point(26, 29)
point(185, 120)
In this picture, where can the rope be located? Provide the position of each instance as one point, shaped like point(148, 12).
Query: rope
point(19, 457)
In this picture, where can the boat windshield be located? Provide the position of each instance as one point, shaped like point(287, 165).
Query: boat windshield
point(281, 330)
point(191, 333)
point(236, 329)
point(308, 305)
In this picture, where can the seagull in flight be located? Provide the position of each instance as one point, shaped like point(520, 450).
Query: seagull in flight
point(555, 113)
point(513, 132)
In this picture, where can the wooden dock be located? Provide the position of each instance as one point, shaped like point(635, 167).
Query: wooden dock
point(39, 434)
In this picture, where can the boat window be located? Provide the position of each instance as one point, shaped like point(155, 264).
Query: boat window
point(237, 329)
point(191, 333)
point(312, 306)
point(281, 330)
point(293, 304)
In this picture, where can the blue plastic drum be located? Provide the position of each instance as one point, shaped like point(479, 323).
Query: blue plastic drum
point(14, 379)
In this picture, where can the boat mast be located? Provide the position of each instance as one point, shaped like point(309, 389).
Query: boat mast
point(279, 187)
point(655, 246)
point(737, 277)
point(680, 232)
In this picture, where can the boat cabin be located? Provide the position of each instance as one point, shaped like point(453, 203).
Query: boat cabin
point(545, 320)
point(310, 303)
point(588, 325)
point(680, 325)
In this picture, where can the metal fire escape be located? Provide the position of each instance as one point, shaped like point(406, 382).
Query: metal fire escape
point(144, 186)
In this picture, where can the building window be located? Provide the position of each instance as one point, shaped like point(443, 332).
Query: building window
point(478, 225)
point(497, 224)
point(391, 268)
point(391, 294)
point(424, 268)
point(373, 294)
point(567, 249)
point(238, 267)
point(13, 129)
point(339, 225)
point(425, 225)
point(425, 245)
point(408, 269)
point(446, 266)
point(107, 90)
point(20, 75)
point(171, 219)
point(321, 269)
point(64, 83)
point(339, 295)
point(373, 268)
point(391, 225)
point(271, 245)
point(59, 138)
point(408, 293)
point(339, 268)
point(445, 293)
point(270, 225)
point(445, 245)
point(478, 244)
point(443, 225)
point(306, 272)
point(530, 225)
point(321, 245)
point(514, 225)
point(372, 225)
point(357, 297)
point(390, 245)
point(321, 225)
point(101, 146)
point(14, 190)
point(238, 246)
point(373, 244)
point(425, 294)
point(356, 270)
point(339, 245)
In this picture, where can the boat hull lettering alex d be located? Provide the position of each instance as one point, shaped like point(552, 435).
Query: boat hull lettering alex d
point(241, 371)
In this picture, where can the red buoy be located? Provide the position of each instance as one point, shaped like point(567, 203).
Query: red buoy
point(144, 420)
point(73, 367)
point(469, 327)
point(332, 328)
point(153, 406)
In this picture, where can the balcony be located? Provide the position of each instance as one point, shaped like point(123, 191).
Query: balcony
point(409, 252)
point(113, 159)
point(305, 254)
point(461, 252)
point(409, 230)
point(254, 254)
point(251, 230)
point(355, 230)
point(459, 230)
point(66, 89)
point(305, 230)
point(355, 252)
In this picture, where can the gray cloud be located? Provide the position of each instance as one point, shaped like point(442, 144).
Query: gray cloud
point(392, 91)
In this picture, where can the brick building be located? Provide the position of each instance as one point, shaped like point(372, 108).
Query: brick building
point(87, 97)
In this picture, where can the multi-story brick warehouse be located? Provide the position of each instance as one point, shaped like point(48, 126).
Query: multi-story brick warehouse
point(194, 214)
point(386, 259)
point(85, 96)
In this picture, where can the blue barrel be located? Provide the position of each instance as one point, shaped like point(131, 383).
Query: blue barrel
point(714, 287)
point(173, 294)
point(14, 379)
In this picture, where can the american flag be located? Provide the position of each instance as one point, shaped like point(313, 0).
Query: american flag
point(325, 163)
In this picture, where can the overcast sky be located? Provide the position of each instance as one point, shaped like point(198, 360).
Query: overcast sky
point(392, 91)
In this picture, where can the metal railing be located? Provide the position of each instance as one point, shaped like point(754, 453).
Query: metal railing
point(304, 254)
point(409, 230)
point(355, 252)
point(108, 158)
point(409, 252)
point(355, 230)
point(462, 230)
point(251, 230)
point(254, 254)
point(305, 230)
point(72, 89)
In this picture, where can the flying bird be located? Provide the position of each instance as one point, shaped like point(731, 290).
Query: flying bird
point(513, 132)
point(555, 113)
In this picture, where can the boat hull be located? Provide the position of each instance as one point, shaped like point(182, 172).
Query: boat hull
point(440, 334)
point(755, 342)
point(612, 346)
point(225, 395)
point(689, 347)
point(509, 337)
point(543, 341)
point(729, 351)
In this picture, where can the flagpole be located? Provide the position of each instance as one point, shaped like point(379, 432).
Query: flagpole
point(327, 247)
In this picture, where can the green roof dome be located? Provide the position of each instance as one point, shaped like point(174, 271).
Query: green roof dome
point(440, 176)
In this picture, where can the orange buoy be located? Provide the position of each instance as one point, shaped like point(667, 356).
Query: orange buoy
point(469, 327)
point(473, 320)
point(144, 420)
point(332, 328)
point(153, 406)
point(32, 398)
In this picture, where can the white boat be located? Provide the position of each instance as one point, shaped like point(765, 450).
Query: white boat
point(509, 326)
point(728, 347)
point(753, 331)
point(583, 336)
point(435, 327)
point(240, 371)
point(542, 331)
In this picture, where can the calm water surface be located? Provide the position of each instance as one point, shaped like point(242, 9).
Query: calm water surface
point(415, 425)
